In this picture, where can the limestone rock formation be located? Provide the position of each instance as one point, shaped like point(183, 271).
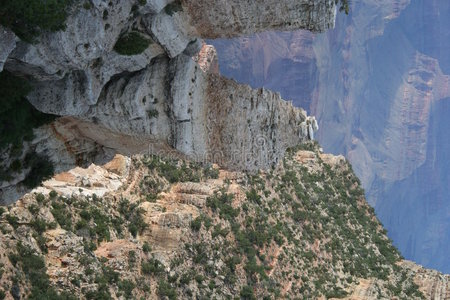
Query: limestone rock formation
point(161, 99)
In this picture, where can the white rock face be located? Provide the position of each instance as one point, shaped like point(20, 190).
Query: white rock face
point(188, 92)
point(154, 6)
point(90, 34)
point(127, 104)
point(79, 62)
point(203, 116)
point(171, 32)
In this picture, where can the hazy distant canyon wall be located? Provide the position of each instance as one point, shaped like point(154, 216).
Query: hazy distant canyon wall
point(379, 86)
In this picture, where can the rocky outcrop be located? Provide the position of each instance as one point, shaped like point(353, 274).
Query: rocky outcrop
point(92, 180)
point(249, 129)
point(207, 59)
point(72, 66)
point(433, 284)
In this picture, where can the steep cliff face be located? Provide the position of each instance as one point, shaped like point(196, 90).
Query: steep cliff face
point(154, 228)
point(80, 60)
point(375, 84)
point(234, 18)
point(159, 99)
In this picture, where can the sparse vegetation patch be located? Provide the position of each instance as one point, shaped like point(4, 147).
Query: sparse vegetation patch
point(132, 43)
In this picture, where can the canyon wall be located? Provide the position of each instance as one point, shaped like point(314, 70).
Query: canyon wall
point(159, 101)
point(163, 225)
point(377, 84)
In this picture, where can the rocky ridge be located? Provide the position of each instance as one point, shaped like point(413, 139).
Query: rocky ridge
point(153, 227)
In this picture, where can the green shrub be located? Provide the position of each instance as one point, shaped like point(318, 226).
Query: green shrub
point(13, 221)
point(87, 5)
point(153, 113)
point(101, 224)
point(29, 18)
point(86, 215)
point(127, 287)
point(146, 248)
point(39, 225)
point(102, 293)
point(133, 214)
point(222, 202)
point(41, 241)
point(131, 258)
point(247, 293)
point(198, 252)
point(253, 196)
point(137, 224)
point(33, 266)
point(196, 224)
point(211, 284)
point(336, 293)
point(132, 43)
point(152, 267)
point(62, 215)
point(174, 171)
point(53, 194)
point(199, 278)
point(151, 197)
point(173, 7)
point(81, 224)
point(210, 172)
point(186, 278)
point(40, 198)
point(166, 290)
